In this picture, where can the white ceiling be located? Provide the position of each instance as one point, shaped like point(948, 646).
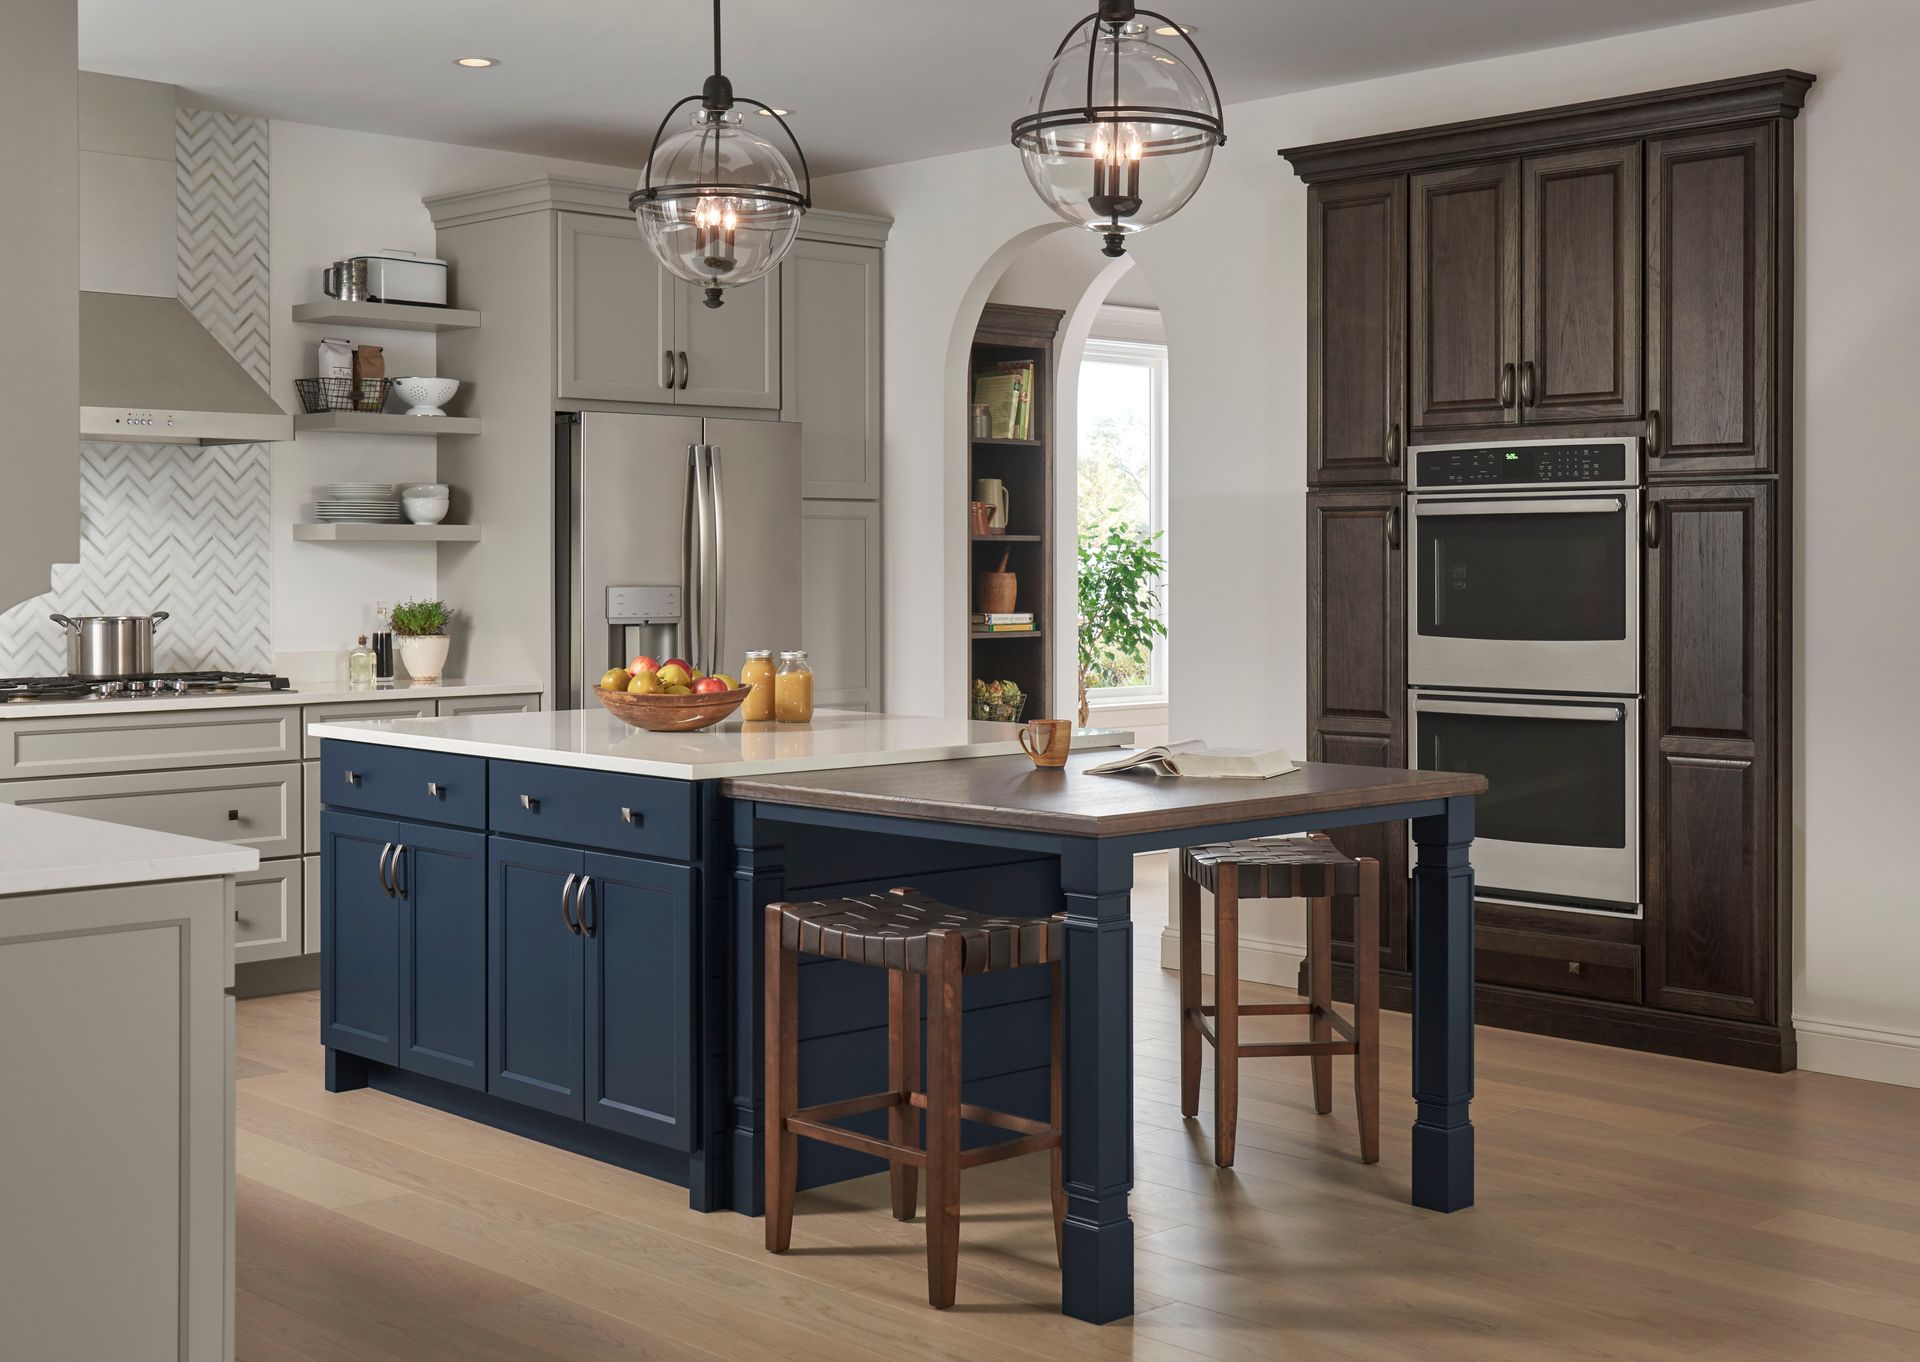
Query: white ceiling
point(870, 81)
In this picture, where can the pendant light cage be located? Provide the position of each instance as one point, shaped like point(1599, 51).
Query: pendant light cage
point(1122, 125)
point(719, 205)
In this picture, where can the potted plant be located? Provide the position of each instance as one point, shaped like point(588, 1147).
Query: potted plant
point(421, 628)
point(1119, 603)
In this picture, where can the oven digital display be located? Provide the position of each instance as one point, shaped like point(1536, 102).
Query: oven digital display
point(1598, 461)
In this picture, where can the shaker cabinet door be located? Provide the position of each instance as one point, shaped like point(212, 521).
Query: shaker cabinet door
point(1357, 330)
point(533, 976)
point(840, 600)
point(441, 876)
point(729, 356)
point(359, 938)
point(830, 354)
point(1581, 356)
point(1466, 296)
point(1713, 356)
point(616, 332)
point(1712, 827)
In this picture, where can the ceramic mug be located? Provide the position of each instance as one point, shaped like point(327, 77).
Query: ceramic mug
point(1047, 741)
point(994, 492)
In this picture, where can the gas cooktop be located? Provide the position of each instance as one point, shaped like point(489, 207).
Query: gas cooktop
point(153, 685)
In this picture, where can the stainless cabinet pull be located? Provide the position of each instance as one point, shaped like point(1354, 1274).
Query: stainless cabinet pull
point(1651, 524)
point(1506, 385)
point(434, 791)
point(353, 777)
point(399, 864)
point(1653, 432)
point(1526, 383)
point(529, 803)
point(666, 370)
point(566, 907)
point(630, 818)
point(385, 883)
point(1393, 527)
point(580, 905)
point(683, 371)
point(1393, 445)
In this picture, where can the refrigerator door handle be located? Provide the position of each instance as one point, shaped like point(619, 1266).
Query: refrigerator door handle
point(690, 558)
point(716, 640)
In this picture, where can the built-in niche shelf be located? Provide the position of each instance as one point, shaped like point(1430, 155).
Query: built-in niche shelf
point(386, 534)
point(386, 316)
point(381, 423)
point(980, 635)
point(1009, 538)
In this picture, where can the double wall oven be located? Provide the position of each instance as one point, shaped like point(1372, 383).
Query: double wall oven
point(1523, 658)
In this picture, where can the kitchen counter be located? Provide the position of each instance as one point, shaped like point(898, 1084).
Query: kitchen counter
point(41, 852)
point(312, 692)
point(593, 739)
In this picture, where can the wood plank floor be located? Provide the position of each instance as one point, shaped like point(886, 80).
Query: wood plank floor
point(1630, 1207)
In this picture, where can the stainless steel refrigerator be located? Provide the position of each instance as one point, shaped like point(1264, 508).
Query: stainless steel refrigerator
point(678, 536)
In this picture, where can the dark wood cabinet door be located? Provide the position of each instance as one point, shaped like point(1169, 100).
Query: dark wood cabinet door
point(1356, 330)
point(1357, 672)
point(1711, 836)
point(1466, 295)
point(1581, 257)
point(1713, 351)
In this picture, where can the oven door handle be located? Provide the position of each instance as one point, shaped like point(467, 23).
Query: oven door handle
point(1595, 714)
point(1567, 506)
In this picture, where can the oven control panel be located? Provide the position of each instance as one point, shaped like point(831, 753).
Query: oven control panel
point(1527, 463)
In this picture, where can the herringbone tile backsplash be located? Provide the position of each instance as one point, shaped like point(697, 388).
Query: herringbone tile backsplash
point(170, 527)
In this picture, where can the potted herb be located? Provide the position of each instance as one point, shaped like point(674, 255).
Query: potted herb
point(421, 628)
point(1119, 604)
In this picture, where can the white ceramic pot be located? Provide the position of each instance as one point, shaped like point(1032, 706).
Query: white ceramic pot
point(424, 655)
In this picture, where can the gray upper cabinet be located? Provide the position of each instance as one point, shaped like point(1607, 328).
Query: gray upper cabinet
point(39, 346)
point(832, 344)
point(631, 332)
point(840, 601)
point(617, 335)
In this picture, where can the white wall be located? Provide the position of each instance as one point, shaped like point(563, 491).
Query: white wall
point(337, 193)
point(1229, 274)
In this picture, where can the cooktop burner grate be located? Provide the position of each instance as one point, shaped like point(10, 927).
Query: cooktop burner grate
point(151, 684)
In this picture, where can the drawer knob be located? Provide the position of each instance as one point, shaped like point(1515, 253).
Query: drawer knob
point(233, 815)
point(353, 777)
point(630, 818)
point(529, 803)
point(434, 791)
point(1573, 967)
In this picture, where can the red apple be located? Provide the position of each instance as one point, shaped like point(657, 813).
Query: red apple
point(642, 663)
point(709, 685)
point(679, 662)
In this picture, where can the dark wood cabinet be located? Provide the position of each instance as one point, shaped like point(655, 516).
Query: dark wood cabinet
point(1714, 290)
point(1357, 330)
point(1710, 813)
point(1466, 295)
point(1581, 256)
point(1357, 685)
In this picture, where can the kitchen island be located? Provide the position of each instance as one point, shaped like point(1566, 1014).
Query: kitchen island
point(575, 953)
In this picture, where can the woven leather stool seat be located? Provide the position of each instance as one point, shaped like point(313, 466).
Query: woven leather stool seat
point(891, 931)
point(1274, 868)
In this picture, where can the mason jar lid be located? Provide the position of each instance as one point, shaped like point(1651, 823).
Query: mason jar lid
point(798, 655)
point(758, 652)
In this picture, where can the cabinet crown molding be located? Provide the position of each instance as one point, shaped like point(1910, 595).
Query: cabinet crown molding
point(1769, 94)
point(561, 193)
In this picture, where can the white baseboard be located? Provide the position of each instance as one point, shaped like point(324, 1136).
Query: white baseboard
point(1868, 1052)
point(1261, 962)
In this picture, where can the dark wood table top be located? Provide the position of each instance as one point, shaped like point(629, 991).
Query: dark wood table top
point(1010, 792)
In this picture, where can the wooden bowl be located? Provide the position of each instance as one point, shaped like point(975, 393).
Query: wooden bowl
point(672, 713)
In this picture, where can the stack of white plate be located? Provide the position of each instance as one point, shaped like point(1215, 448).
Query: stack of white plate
point(362, 503)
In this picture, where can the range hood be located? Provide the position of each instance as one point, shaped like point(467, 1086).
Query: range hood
point(152, 374)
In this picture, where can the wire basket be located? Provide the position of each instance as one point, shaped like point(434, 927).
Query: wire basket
point(1000, 711)
point(342, 394)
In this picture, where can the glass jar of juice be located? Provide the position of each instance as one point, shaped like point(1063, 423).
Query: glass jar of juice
point(757, 672)
point(793, 690)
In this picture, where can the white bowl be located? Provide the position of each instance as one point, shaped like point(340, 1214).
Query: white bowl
point(425, 510)
point(425, 395)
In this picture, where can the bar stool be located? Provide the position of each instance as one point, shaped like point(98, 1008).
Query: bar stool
point(909, 935)
point(1274, 868)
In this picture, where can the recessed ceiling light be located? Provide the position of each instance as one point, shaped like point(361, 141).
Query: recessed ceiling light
point(476, 63)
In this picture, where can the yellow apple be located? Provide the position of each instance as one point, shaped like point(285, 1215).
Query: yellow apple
point(616, 679)
point(673, 674)
point(679, 690)
point(731, 683)
point(645, 683)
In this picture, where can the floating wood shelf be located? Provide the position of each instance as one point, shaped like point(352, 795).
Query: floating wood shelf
point(1006, 633)
point(386, 316)
point(380, 423)
point(1018, 444)
point(1008, 538)
point(344, 533)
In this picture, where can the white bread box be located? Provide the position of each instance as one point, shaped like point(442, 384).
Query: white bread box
point(403, 277)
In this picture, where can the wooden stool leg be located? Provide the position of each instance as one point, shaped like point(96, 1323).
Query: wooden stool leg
point(903, 1076)
point(1366, 1009)
point(1226, 1019)
point(1189, 996)
point(1056, 1180)
point(1320, 994)
point(943, 1116)
point(782, 1095)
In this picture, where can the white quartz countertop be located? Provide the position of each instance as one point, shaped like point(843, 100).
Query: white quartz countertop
point(593, 739)
point(321, 692)
point(41, 852)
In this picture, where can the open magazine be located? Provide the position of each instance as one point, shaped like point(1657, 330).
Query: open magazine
point(1195, 758)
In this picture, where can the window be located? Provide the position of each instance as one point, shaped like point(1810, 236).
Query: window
point(1122, 465)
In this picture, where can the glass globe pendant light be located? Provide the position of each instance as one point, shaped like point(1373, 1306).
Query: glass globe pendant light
point(1123, 124)
point(718, 204)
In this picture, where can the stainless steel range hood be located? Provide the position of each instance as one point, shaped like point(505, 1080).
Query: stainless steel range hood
point(150, 373)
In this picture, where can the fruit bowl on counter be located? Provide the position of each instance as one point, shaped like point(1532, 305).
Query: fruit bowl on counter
point(668, 697)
